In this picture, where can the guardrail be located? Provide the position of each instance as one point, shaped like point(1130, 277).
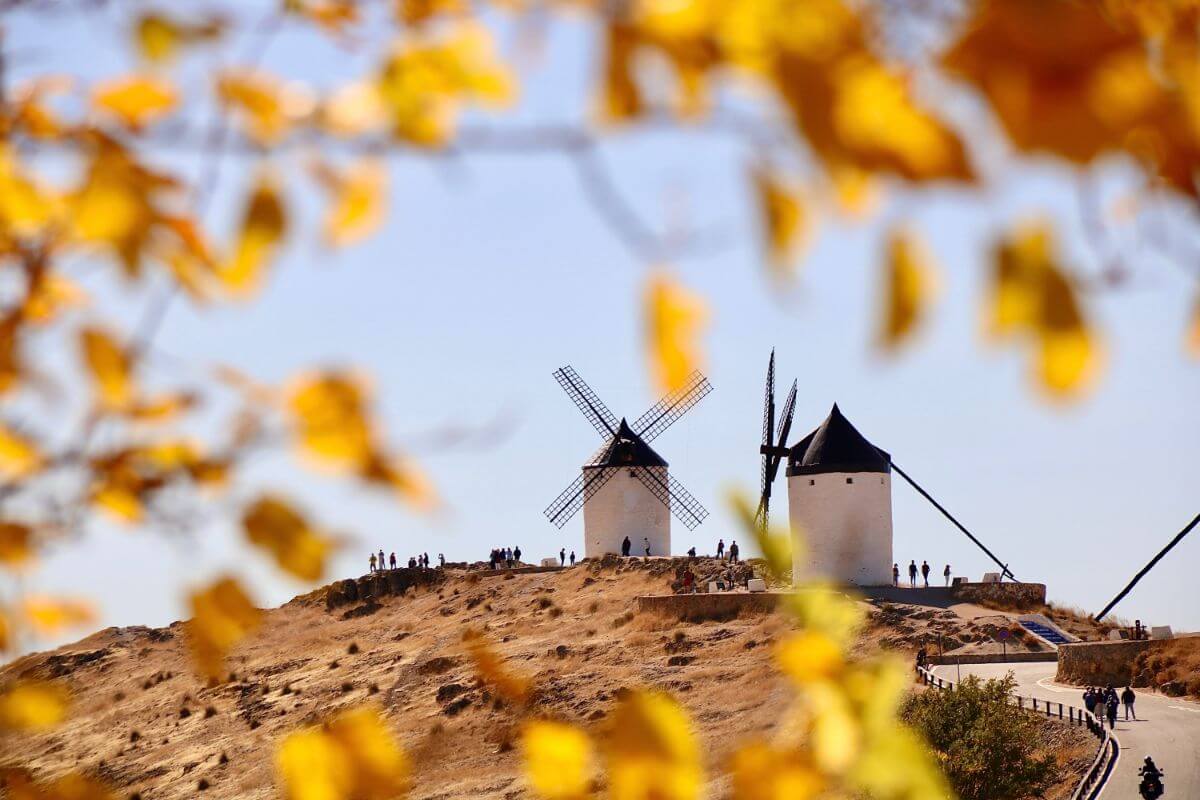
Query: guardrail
point(1106, 753)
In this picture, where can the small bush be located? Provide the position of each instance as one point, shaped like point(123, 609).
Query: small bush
point(987, 747)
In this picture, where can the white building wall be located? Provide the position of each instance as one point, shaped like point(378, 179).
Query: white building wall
point(844, 523)
point(622, 507)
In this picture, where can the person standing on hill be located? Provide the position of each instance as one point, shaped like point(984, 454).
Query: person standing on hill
point(946, 574)
point(912, 573)
point(733, 551)
point(392, 560)
point(562, 557)
point(516, 554)
point(895, 574)
point(572, 558)
point(720, 548)
point(646, 543)
point(372, 562)
point(625, 547)
point(441, 559)
point(925, 572)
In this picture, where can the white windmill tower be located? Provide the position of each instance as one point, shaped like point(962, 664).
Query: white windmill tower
point(625, 489)
point(839, 496)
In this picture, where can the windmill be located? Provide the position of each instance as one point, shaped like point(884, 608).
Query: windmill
point(839, 496)
point(625, 489)
point(773, 450)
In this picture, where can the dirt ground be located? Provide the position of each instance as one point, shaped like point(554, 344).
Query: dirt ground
point(143, 722)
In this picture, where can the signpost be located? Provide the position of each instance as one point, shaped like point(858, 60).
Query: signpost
point(1004, 642)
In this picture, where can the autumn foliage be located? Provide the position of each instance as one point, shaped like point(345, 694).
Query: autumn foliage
point(859, 110)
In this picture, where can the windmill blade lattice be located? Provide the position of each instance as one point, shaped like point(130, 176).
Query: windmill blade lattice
point(588, 403)
point(571, 499)
point(686, 508)
point(667, 411)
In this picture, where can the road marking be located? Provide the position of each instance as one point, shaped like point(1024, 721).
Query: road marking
point(1185, 708)
point(1042, 683)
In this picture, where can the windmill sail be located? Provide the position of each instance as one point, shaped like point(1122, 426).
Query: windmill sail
point(686, 508)
point(667, 411)
point(588, 403)
point(571, 499)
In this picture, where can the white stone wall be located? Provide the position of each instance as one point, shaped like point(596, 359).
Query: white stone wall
point(622, 507)
point(845, 521)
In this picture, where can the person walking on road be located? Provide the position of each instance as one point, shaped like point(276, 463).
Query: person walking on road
point(720, 548)
point(895, 574)
point(925, 572)
point(625, 545)
point(1127, 698)
point(946, 574)
point(1112, 713)
point(912, 573)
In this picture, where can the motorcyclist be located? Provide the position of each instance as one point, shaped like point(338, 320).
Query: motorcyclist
point(1152, 785)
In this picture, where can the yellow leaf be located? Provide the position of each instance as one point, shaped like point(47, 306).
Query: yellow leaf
point(761, 772)
point(273, 525)
point(809, 656)
point(491, 670)
point(32, 706)
point(329, 417)
point(1031, 296)
point(6, 634)
point(26, 207)
point(673, 320)
point(121, 502)
point(352, 110)
point(49, 615)
point(136, 100)
point(16, 545)
point(353, 756)
point(402, 476)
point(161, 408)
point(784, 222)
point(222, 615)
point(335, 16)
point(268, 107)
point(110, 368)
point(558, 759)
point(357, 200)
point(877, 122)
point(19, 456)
point(621, 98)
point(908, 286)
point(159, 37)
point(50, 295)
point(650, 750)
point(264, 225)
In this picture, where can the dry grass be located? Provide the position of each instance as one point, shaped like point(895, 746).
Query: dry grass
point(1173, 664)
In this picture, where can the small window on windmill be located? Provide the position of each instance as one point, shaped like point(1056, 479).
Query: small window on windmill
point(633, 473)
point(812, 481)
point(849, 480)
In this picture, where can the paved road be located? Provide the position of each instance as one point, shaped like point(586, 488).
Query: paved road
point(1167, 729)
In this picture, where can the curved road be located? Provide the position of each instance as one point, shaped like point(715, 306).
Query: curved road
point(1168, 729)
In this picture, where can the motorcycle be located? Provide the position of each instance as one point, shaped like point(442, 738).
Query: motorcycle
point(1151, 787)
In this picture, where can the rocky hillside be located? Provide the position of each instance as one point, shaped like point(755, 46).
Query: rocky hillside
point(144, 723)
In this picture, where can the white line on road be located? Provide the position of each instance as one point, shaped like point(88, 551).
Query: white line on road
point(1042, 683)
point(1185, 708)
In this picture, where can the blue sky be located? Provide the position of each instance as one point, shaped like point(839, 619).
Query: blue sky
point(492, 271)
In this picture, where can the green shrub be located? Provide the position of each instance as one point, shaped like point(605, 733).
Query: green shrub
point(987, 747)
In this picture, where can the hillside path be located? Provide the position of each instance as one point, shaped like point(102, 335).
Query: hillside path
point(1167, 729)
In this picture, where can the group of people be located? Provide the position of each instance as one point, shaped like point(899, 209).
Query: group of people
point(627, 546)
point(912, 573)
point(508, 556)
point(734, 551)
point(421, 560)
point(562, 556)
point(1103, 703)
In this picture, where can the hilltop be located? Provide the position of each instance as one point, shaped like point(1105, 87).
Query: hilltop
point(142, 721)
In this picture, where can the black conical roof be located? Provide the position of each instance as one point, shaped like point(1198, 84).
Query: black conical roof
point(836, 446)
point(626, 449)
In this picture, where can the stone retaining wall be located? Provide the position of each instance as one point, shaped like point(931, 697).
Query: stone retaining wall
point(1100, 663)
point(720, 605)
point(380, 584)
point(1017, 595)
point(1014, 657)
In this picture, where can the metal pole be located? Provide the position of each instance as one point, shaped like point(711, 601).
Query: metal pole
point(1178, 538)
point(1003, 567)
